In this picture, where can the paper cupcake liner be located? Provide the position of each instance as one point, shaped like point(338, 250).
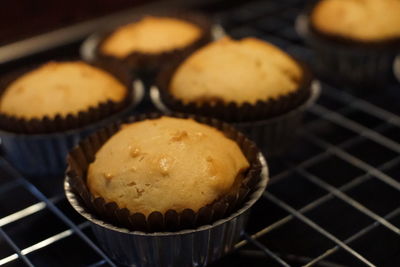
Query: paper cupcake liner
point(44, 155)
point(233, 112)
point(60, 123)
point(172, 220)
point(197, 247)
point(146, 64)
point(345, 62)
point(273, 136)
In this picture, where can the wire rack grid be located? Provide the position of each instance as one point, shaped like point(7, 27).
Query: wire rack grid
point(333, 200)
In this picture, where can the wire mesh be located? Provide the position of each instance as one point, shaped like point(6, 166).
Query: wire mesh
point(333, 200)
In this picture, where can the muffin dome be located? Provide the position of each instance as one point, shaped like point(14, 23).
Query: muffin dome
point(151, 35)
point(59, 88)
point(165, 163)
point(237, 71)
point(358, 20)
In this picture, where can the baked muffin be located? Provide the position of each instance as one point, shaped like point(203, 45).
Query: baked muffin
point(44, 112)
point(243, 71)
point(366, 21)
point(174, 165)
point(165, 163)
point(151, 35)
point(60, 88)
point(248, 82)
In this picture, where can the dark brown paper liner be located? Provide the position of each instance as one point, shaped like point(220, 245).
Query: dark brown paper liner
point(231, 111)
point(62, 123)
point(388, 44)
point(80, 158)
point(145, 63)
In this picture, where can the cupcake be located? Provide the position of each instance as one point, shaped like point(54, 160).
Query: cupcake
point(148, 43)
point(44, 111)
point(248, 82)
point(355, 40)
point(162, 181)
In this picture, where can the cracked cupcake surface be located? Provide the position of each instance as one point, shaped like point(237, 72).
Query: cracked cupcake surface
point(165, 163)
point(246, 70)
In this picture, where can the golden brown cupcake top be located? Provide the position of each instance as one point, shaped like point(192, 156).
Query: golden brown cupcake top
point(359, 20)
point(241, 71)
point(59, 88)
point(165, 163)
point(151, 35)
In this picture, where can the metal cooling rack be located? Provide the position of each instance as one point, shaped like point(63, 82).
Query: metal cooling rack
point(334, 200)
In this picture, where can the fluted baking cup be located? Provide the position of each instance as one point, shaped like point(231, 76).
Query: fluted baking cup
point(274, 135)
point(147, 64)
point(80, 158)
point(362, 66)
point(184, 248)
point(44, 155)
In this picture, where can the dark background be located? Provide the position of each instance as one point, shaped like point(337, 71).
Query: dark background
point(23, 18)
